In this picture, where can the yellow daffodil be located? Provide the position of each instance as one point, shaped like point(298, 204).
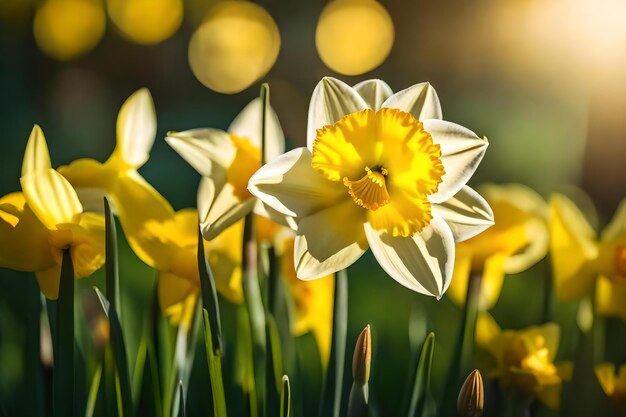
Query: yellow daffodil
point(583, 263)
point(387, 174)
point(118, 178)
point(517, 240)
point(226, 161)
point(45, 219)
point(613, 383)
point(525, 358)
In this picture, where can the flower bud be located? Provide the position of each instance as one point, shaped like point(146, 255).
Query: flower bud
point(361, 361)
point(471, 396)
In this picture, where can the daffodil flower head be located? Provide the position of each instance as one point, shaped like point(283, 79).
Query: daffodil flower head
point(380, 170)
point(613, 382)
point(47, 218)
point(517, 241)
point(226, 161)
point(525, 358)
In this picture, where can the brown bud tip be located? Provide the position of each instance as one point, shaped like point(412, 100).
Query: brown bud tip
point(361, 361)
point(472, 396)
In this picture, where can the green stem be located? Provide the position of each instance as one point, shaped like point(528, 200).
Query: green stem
point(63, 376)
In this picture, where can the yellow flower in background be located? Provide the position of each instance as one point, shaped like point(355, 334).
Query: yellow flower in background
point(583, 263)
point(45, 219)
point(354, 36)
point(66, 29)
point(613, 383)
point(226, 161)
point(146, 22)
point(118, 178)
point(236, 44)
point(390, 178)
point(525, 358)
point(517, 240)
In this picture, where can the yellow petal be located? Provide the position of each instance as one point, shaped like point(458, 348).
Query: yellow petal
point(605, 372)
point(610, 298)
point(224, 254)
point(139, 205)
point(136, 128)
point(486, 330)
point(177, 298)
point(36, 156)
point(23, 238)
point(89, 173)
point(460, 276)
point(87, 244)
point(572, 248)
point(492, 281)
point(49, 280)
point(51, 197)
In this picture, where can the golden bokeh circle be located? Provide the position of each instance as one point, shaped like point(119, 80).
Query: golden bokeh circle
point(66, 29)
point(146, 22)
point(354, 36)
point(236, 45)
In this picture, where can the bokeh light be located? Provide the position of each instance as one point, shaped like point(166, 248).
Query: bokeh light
point(66, 29)
point(354, 36)
point(146, 22)
point(235, 46)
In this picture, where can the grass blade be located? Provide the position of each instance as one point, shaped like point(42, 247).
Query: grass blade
point(274, 367)
point(111, 262)
point(118, 349)
point(181, 404)
point(209, 297)
point(63, 371)
point(333, 384)
point(93, 392)
point(421, 384)
point(285, 398)
point(215, 369)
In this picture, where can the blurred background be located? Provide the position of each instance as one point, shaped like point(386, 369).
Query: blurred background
point(544, 81)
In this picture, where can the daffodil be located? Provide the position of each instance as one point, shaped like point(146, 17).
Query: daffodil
point(226, 161)
point(118, 178)
point(525, 358)
point(385, 173)
point(613, 383)
point(584, 265)
point(45, 219)
point(517, 240)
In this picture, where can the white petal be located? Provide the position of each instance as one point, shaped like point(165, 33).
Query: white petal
point(374, 92)
point(36, 156)
point(262, 209)
point(422, 263)
point(467, 213)
point(291, 186)
point(331, 100)
point(206, 150)
point(136, 128)
point(329, 240)
point(224, 208)
point(248, 124)
point(420, 100)
point(461, 152)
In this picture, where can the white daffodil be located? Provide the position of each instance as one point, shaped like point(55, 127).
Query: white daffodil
point(383, 171)
point(226, 161)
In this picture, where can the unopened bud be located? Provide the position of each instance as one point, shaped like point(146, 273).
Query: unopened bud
point(362, 359)
point(472, 396)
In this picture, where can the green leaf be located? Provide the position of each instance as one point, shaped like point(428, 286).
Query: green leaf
point(181, 404)
point(215, 369)
point(209, 297)
point(93, 392)
point(63, 371)
point(118, 348)
point(285, 398)
point(421, 384)
point(265, 99)
point(256, 315)
point(331, 395)
point(274, 366)
point(111, 262)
